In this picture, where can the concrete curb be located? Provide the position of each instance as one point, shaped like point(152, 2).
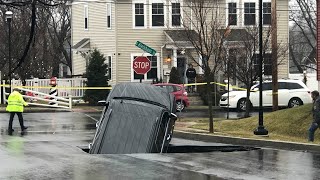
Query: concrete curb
point(248, 141)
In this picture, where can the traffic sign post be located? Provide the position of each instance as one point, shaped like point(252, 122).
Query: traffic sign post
point(141, 65)
point(145, 48)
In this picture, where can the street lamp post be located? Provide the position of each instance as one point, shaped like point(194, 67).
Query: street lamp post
point(260, 129)
point(9, 18)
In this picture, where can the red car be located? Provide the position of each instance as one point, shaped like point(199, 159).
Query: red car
point(179, 92)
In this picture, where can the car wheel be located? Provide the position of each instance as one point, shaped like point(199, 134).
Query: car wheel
point(295, 102)
point(242, 104)
point(180, 105)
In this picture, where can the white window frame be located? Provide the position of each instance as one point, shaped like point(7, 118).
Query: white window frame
point(266, 1)
point(86, 16)
point(170, 13)
point(109, 64)
point(256, 12)
point(164, 14)
point(237, 14)
point(109, 14)
point(145, 75)
point(144, 2)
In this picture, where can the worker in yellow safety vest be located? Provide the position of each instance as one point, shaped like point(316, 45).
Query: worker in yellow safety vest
point(15, 106)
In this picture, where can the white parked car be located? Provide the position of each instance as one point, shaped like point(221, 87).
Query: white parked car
point(291, 93)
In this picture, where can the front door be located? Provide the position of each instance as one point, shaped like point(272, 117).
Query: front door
point(181, 67)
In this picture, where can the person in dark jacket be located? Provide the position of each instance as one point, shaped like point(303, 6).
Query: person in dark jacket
point(316, 115)
point(191, 75)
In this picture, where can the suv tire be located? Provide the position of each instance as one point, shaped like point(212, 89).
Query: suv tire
point(294, 102)
point(180, 105)
point(241, 105)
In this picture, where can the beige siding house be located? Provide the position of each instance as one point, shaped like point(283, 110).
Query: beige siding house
point(114, 27)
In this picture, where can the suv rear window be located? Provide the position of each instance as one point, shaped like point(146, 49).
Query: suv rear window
point(168, 88)
point(178, 88)
point(294, 86)
point(267, 86)
point(282, 85)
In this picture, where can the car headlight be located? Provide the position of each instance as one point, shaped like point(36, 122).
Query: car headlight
point(226, 97)
point(232, 96)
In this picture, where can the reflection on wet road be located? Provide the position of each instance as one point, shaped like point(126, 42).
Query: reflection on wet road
point(49, 151)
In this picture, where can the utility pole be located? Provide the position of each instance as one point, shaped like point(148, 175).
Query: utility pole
point(274, 56)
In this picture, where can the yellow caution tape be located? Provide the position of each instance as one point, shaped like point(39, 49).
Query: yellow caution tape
point(84, 88)
point(220, 84)
point(57, 87)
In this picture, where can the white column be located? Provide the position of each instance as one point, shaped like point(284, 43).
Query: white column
point(159, 66)
point(174, 62)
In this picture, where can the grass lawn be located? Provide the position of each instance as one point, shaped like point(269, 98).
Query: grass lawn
point(286, 125)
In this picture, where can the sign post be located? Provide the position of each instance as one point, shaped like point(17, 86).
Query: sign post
point(141, 65)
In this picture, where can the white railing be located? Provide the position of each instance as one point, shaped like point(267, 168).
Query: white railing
point(66, 87)
point(58, 102)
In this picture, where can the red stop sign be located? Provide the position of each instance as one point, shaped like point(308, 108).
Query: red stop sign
point(141, 65)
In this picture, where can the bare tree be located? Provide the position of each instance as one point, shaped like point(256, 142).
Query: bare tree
point(59, 29)
point(243, 58)
point(303, 33)
point(203, 28)
point(241, 61)
point(26, 18)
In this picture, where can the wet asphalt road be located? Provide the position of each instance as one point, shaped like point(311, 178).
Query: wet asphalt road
point(51, 150)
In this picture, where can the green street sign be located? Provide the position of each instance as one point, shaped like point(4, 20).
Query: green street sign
point(145, 48)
